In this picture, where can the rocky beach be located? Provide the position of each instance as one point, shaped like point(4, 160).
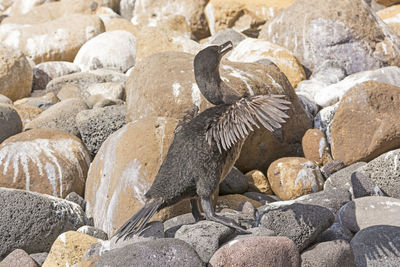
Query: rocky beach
point(91, 92)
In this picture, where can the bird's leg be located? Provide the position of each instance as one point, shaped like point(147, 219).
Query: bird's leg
point(210, 215)
point(195, 210)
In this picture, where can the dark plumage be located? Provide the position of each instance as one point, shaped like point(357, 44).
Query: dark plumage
point(206, 146)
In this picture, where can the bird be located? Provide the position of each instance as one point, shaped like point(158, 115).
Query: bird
point(206, 145)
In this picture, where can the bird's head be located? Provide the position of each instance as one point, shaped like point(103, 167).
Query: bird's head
point(206, 70)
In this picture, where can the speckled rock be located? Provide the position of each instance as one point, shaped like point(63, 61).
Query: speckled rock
point(258, 182)
point(84, 79)
point(39, 258)
point(151, 12)
point(60, 116)
point(10, 121)
point(123, 171)
point(43, 102)
point(293, 177)
point(316, 147)
point(372, 129)
point(252, 50)
point(18, 258)
point(68, 249)
point(385, 172)
point(234, 183)
point(114, 50)
point(168, 252)
point(369, 211)
point(302, 223)
point(241, 15)
point(334, 31)
point(74, 197)
point(257, 251)
point(342, 178)
point(329, 254)
point(95, 125)
point(204, 236)
point(15, 73)
point(59, 39)
point(46, 161)
point(173, 90)
point(32, 221)
point(44, 72)
point(336, 232)
point(377, 246)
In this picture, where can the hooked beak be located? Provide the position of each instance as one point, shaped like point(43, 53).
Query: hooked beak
point(225, 48)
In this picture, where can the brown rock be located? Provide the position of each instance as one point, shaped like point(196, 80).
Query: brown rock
point(18, 258)
point(15, 73)
point(116, 24)
point(293, 177)
point(150, 12)
point(313, 39)
point(124, 169)
point(257, 251)
point(234, 201)
point(315, 147)
point(242, 15)
point(27, 112)
point(45, 161)
point(173, 90)
point(389, 16)
point(258, 182)
point(68, 249)
point(387, 2)
point(366, 123)
point(59, 39)
point(252, 50)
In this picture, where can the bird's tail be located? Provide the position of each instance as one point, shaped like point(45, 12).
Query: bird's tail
point(138, 221)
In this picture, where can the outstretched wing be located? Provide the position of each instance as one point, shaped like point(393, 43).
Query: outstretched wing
point(242, 116)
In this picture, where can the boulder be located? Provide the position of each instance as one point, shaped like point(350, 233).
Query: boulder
point(15, 72)
point(18, 258)
point(257, 251)
point(32, 221)
point(329, 254)
point(114, 50)
point(342, 178)
point(10, 121)
point(45, 161)
point(334, 31)
point(293, 177)
point(365, 124)
point(59, 39)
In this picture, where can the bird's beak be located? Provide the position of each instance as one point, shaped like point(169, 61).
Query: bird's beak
point(225, 48)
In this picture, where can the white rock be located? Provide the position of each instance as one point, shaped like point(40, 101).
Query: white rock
point(110, 50)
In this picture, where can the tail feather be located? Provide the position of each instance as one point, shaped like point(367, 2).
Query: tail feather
point(138, 221)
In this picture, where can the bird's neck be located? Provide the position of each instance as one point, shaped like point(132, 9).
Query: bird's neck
point(216, 91)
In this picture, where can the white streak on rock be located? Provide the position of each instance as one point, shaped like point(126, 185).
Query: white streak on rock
point(196, 95)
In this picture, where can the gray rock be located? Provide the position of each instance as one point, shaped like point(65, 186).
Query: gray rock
point(310, 107)
point(234, 183)
point(44, 72)
point(93, 231)
point(18, 258)
point(153, 253)
point(227, 35)
point(329, 72)
point(85, 79)
point(172, 225)
point(262, 198)
point(60, 116)
point(342, 178)
point(364, 186)
point(43, 102)
point(331, 167)
point(377, 246)
point(369, 211)
point(39, 258)
point(323, 120)
point(5, 100)
point(32, 221)
point(255, 231)
point(245, 220)
point(95, 125)
point(74, 197)
point(328, 254)
point(205, 237)
point(69, 91)
point(385, 172)
point(299, 222)
point(335, 232)
point(10, 122)
point(99, 101)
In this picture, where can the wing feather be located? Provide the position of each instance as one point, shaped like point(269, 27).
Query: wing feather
point(243, 116)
